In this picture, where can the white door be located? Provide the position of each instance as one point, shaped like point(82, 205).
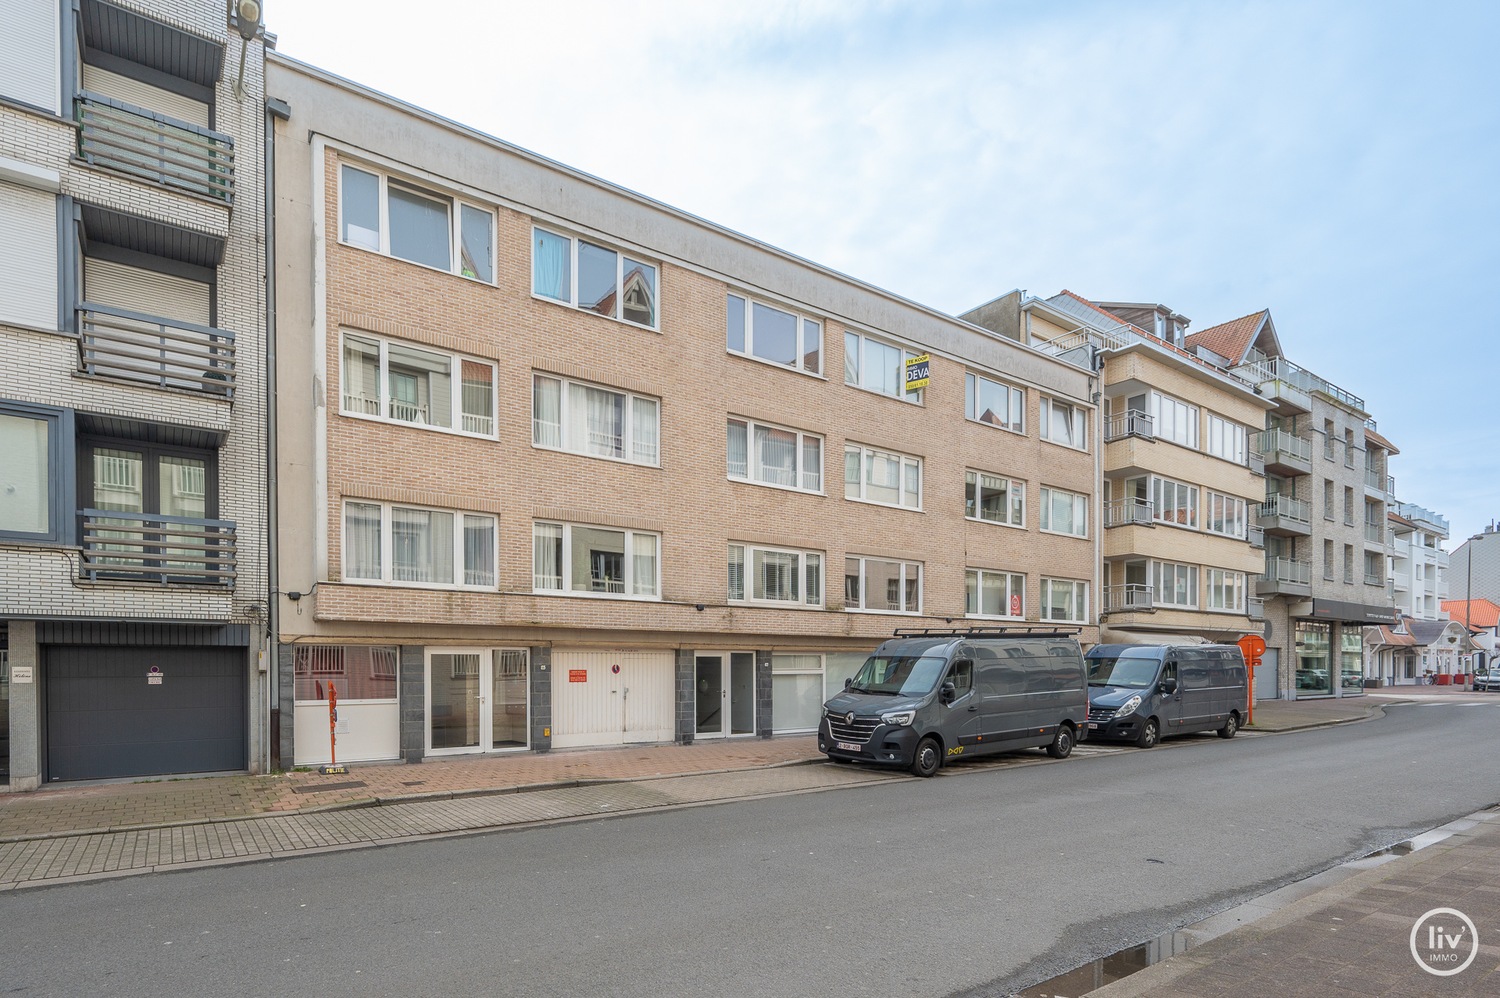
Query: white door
point(612, 697)
point(477, 700)
point(724, 694)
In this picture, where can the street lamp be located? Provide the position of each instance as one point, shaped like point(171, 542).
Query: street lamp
point(1469, 600)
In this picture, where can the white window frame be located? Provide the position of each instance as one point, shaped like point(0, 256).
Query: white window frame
point(1236, 515)
point(1174, 420)
point(906, 462)
point(1079, 598)
point(914, 397)
point(1164, 577)
point(454, 206)
point(382, 399)
point(1078, 417)
point(1015, 402)
point(628, 567)
point(1015, 585)
point(746, 305)
point(621, 255)
point(1016, 495)
point(388, 550)
point(910, 571)
point(1080, 510)
point(1227, 439)
point(817, 561)
point(564, 428)
point(820, 672)
point(1222, 581)
point(753, 464)
point(1160, 507)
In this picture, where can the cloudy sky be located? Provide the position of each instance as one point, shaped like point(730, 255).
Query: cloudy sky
point(1335, 162)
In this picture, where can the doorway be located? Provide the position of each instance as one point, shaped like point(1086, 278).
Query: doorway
point(724, 694)
point(477, 699)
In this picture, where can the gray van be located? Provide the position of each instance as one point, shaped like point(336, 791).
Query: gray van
point(1141, 693)
point(934, 694)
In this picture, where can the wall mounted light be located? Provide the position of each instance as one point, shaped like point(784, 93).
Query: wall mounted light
point(247, 18)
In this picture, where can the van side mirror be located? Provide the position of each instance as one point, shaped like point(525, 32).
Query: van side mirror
point(948, 692)
point(848, 681)
point(1169, 686)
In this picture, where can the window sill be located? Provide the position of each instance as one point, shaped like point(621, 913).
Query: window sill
point(987, 616)
point(595, 457)
point(1071, 447)
point(818, 375)
point(996, 426)
point(417, 263)
point(882, 505)
point(610, 597)
point(995, 523)
point(436, 587)
point(598, 315)
point(919, 403)
point(447, 430)
point(778, 488)
point(883, 613)
point(773, 605)
point(1062, 533)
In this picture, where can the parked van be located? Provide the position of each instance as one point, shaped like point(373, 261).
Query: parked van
point(1141, 693)
point(929, 695)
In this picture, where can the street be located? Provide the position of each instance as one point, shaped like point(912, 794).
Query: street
point(984, 879)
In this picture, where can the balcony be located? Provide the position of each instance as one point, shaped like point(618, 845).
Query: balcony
point(154, 147)
point(149, 547)
point(1373, 579)
point(1375, 534)
point(1257, 535)
point(1256, 462)
point(1281, 381)
point(118, 343)
point(1132, 424)
point(1255, 608)
point(1284, 454)
point(1285, 516)
point(1128, 598)
point(1390, 488)
point(1285, 577)
point(1124, 512)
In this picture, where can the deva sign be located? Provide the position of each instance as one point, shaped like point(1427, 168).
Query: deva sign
point(916, 371)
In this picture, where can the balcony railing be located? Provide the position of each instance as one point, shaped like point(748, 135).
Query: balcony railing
point(1286, 570)
point(168, 353)
point(1123, 512)
point(1283, 370)
point(155, 548)
point(1119, 599)
point(1131, 424)
point(1374, 480)
point(1256, 535)
point(154, 147)
point(1375, 533)
point(1271, 443)
point(1255, 608)
point(1286, 508)
point(1373, 579)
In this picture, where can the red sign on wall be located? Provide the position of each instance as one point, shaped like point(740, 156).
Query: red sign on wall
point(1015, 605)
point(578, 675)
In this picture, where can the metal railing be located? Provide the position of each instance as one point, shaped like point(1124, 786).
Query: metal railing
point(478, 424)
point(1375, 533)
point(1255, 608)
point(1256, 462)
point(1373, 579)
point(1374, 479)
point(156, 548)
point(142, 143)
point(1269, 443)
point(1256, 535)
point(1288, 570)
point(1131, 424)
point(1123, 512)
point(168, 353)
point(1287, 508)
point(1118, 599)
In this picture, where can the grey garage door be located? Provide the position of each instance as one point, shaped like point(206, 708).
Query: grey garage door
point(106, 719)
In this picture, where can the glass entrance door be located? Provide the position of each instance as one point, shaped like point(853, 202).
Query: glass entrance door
point(724, 686)
point(477, 699)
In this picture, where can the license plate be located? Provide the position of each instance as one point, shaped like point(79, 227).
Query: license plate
point(845, 747)
point(1093, 724)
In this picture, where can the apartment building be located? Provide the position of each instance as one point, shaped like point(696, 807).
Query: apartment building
point(1477, 562)
point(132, 403)
point(1324, 512)
point(1181, 549)
point(560, 465)
point(1419, 583)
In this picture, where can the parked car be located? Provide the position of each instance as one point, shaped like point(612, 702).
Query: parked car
point(1140, 693)
point(930, 695)
point(1487, 681)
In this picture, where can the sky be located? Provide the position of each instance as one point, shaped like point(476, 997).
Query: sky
point(1335, 162)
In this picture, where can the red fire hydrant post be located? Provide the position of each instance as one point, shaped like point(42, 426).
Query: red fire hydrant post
point(333, 766)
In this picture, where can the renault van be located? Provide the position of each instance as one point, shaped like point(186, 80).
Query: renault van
point(1141, 693)
point(932, 695)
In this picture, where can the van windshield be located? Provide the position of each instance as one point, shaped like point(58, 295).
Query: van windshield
point(1128, 670)
point(904, 675)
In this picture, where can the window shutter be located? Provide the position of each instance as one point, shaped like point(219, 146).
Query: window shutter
point(144, 95)
point(28, 256)
point(120, 286)
point(29, 72)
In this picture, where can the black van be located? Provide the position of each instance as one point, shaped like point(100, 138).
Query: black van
point(1140, 693)
point(934, 694)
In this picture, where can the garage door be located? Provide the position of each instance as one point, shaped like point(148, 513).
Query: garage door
point(107, 719)
point(612, 697)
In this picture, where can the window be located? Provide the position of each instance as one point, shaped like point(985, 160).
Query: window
point(1348, 506)
point(397, 382)
point(995, 499)
point(797, 692)
point(1328, 499)
point(775, 576)
point(994, 594)
point(1226, 590)
point(1174, 584)
point(595, 561)
point(1226, 439)
point(878, 584)
point(989, 401)
point(1174, 502)
point(1328, 439)
point(1065, 600)
point(1349, 448)
point(1064, 424)
point(414, 546)
point(593, 278)
point(398, 219)
point(356, 672)
point(883, 477)
point(1226, 515)
point(769, 455)
point(1064, 512)
point(32, 438)
point(1348, 564)
point(878, 366)
point(1328, 560)
point(595, 422)
point(1175, 421)
point(754, 329)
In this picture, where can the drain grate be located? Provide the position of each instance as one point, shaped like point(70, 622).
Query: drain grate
point(324, 787)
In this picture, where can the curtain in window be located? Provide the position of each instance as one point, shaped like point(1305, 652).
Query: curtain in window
point(739, 458)
point(776, 576)
point(851, 471)
point(361, 376)
point(362, 541)
point(24, 482)
point(478, 397)
point(551, 271)
point(778, 456)
point(813, 582)
point(546, 558)
point(421, 545)
point(812, 463)
point(643, 553)
point(851, 359)
point(419, 228)
point(596, 421)
point(913, 493)
point(736, 572)
point(479, 551)
point(643, 430)
point(546, 413)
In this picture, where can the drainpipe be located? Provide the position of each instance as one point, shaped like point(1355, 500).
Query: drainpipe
point(274, 109)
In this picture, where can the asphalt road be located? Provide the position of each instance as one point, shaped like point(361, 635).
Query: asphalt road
point(985, 881)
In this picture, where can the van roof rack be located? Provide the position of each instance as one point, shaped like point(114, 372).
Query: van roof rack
point(1018, 630)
